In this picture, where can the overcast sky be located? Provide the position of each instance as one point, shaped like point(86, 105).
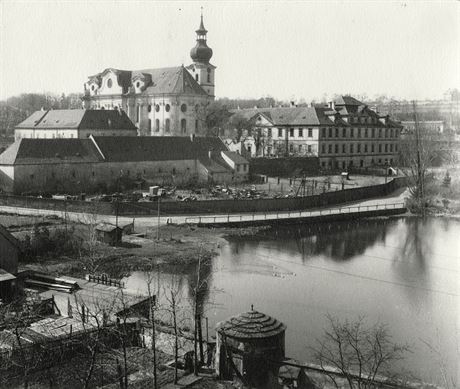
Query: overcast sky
point(288, 50)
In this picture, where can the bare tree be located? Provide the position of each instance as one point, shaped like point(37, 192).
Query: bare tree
point(360, 353)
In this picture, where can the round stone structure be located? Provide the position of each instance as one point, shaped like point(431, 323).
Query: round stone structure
point(249, 346)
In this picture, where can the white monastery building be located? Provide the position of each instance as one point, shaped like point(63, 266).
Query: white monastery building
point(160, 102)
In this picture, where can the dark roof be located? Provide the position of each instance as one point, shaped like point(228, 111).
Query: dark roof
point(235, 157)
point(251, 325)
point(9, 237)
point(149, 148)
point(78, 119)
point(107, 227)
point(171, 80)
point(29, 151)
point(283, 116)
point(347, 100)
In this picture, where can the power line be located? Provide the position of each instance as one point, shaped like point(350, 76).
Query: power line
point(361, 276)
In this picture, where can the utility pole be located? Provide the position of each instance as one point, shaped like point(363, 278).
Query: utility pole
point(158, 218)
point(420, 189)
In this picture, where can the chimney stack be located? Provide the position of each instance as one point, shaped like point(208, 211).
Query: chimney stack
point(293, 104)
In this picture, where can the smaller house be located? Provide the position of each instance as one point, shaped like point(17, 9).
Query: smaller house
point(109, 233)
point(10, 251)
point(239, 164)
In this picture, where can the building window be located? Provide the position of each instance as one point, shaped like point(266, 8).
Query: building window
point(183, 126)
point(344, 148)
point(209, 74)
point(280, 132)
point(386, 148)
point(396, 147)
point(269, 132)
point(157, 125)
point(300, 148)
point(196, 125)
point(157, 107)
point(336, 132)
point(391, 147)
point(167, 108)
point(167, 125)
point(138, 113)
point(352, 132)
point(352, 149)
point(372, 148)
point(380, 132)
point(323, 149)
point(336, 149)
point(365, 133)
point(291, 147)
point(138, 84)
point(359, 132)
point(109, 83)
point(291, 132)
point(329, 149)
point(174, 170)
point(73, 174)
point(150, 124)
point(373, 132)
point(344, 132)
point(149, 108)
point(196, 77)
point(361, 163)
point(310, 133)
point(323, 132)
point(365, 148)
point(309, 148)
point(380, 148)
point(300, 132)
point(386, 132)
point(330, 132)
point(183, 107)
point(359, 148)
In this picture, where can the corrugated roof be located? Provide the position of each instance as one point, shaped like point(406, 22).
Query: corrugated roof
point(251, 325)
point(78, 119)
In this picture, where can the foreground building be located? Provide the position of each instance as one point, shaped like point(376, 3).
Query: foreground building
point(98, 163)
point(74, 123)
point(161, 102)
point(346, 133)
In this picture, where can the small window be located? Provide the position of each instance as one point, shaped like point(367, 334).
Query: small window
point(138, 84)
point(336, 132)
point(174, 170)
point(344, 132)
point(196, 77)
point(157, 125)
point(291, 132)
point(149, 108)
point(109, 83)
point(167, 108)
point(300, 132)
point(310, 133)
point(280, 132)
point(323, 149)
point(329, 149)
point(323, 132)
point(183, 126)
point(167, 125)
point(157, 107)
point(359, 147)
point(183, 107)
point(336, 149)
point(330, 132)
point(365, 148)
point(309, 148)
point(344, 149)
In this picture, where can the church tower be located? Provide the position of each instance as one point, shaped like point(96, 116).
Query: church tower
point(201, 69)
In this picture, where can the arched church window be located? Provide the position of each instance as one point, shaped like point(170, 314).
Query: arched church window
point(167, 108)
point(183, 107)
point(149, 108)
point(138, 84)
point(150, 124)
point(183, 126)
point(167, 125)
point(157, 107)
point(157, 125)
point(109, 83)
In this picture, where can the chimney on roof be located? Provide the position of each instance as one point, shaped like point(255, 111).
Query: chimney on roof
point(293, 104)
point(192, 137)
point(209, 154)
point(331, 105)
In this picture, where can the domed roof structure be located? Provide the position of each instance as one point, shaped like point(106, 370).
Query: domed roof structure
point(251, 325)
point(201, 52)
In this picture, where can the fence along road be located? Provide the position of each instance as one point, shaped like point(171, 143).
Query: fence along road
point(142, 223)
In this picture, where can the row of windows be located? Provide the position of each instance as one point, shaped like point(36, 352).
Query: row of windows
point(300, 132)
point(336, 164)
point(336, 149)
point(183, 109)
point(245, 168)
point(360, 132)
point(167, 125)
point(45, 136)
point(301, 148)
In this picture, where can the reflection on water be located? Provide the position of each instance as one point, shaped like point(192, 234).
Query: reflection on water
point(403, 272)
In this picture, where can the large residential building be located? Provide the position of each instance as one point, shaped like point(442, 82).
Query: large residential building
point(161, 102)
point(75, 123)
point(99, 163)
point(345, 133)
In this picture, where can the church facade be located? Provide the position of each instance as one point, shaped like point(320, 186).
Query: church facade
point(160, 102)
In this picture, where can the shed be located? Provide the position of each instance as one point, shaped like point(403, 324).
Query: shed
point(249, 346)
point(10, 250)
point(109, 233)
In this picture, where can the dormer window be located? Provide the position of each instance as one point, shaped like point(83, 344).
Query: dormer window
point(138, 84)
point(92, 87)
point(109, 83)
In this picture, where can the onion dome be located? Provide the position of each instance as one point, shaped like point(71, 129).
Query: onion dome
point(251, 325)
point(201, 52)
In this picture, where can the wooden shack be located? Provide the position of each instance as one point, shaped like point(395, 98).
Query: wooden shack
point(248, 347)
point(109, 233)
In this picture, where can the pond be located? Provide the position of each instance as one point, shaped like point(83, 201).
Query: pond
point(403, 272)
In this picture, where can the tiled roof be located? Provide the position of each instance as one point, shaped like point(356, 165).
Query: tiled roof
point(78, 119)
point(235, 157)
point(157, 148)
point(251, 325)
point(282, 116)
point(30, 151)
point(347, 100)
point(171, 80)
